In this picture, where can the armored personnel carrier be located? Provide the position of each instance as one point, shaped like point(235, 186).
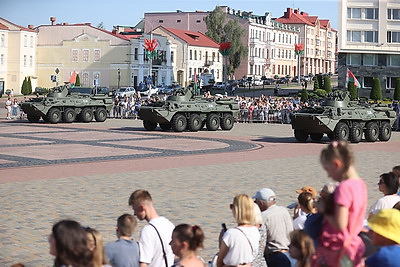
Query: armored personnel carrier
point(184, 111)
point(342, 119)
point(61, 104)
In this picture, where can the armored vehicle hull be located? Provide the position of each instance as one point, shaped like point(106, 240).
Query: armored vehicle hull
point(342, 119)
point(62, 106)
point(183, 111)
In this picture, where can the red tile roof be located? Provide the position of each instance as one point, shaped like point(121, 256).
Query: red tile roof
point(298, 17)
point(3, 27)
point(192, 38)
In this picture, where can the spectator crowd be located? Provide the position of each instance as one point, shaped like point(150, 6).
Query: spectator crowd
point(326, 229)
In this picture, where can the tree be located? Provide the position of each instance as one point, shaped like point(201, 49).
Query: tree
point(78, 80)
point(376, 91)
point(101, 26)
point(24, 87)
point(304, 95)
point(353, 90)
point(221, 31)
point(29, 85)
point(396, 95)
point(320, 81)
point(316, 84)
point(327, 84)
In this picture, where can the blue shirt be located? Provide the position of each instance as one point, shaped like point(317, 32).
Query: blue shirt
point(123, 253)
point(388, 256)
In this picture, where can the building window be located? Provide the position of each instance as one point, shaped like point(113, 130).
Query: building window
point(354, 13)
point(393, 37)
point(97, 55)
point(393, 13)
point(74, 56)
point(195, 54)
point(198, 21)
point(31, 61)
point(178, 20)
point(391, 82)
point(218, 57)
point(251, 69)
point(190, 55)
point(217, 74)
point(371, 13)
point(213, 56)
point(190, 73)
point(25, 40)
point(353, 59)
point(354, 36)
point(85, 78)
point(368, 82)
point(136, 54)
point(85, 55)
point(160, 21)
point(394, 60)
point(370, 60)
point(31, 41)
point(329, 34)
point(172, 56)
point(3, 40)
point(371, 36)
point(24, 60)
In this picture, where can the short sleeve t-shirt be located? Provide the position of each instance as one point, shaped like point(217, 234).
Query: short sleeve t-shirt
point(123, 253)
point(386, 202)
point(150, 244)
point(238, 242)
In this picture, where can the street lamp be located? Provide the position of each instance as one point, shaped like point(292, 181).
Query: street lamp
point(118, 77)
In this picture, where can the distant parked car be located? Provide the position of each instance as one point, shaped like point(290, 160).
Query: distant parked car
point(257, 82)
point(144, 90)
point(220, 85)
point(125, 91)
point(269, 81)
point(282, 80)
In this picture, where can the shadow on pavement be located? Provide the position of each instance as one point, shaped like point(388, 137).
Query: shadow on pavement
point(287, 140)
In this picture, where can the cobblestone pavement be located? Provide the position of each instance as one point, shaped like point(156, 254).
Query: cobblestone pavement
point(87, 172)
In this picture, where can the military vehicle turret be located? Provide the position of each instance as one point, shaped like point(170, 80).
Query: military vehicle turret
point(63, 104)
point(184, 111)
point(342, 119)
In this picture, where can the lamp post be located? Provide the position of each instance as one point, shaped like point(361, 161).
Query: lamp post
point(118, 77)
point(298, 49)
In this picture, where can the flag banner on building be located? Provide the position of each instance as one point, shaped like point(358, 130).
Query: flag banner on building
point(73, 78)
point(352, 79)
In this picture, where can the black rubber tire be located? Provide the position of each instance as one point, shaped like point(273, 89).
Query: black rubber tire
point(179, 122)
point(165, 126)
point(69, 115)
point(342, 131)
point(300, 135)
point(86, 115)
point(100, 115)
point(385, 131)
point(316, 136)
point(356, 133)
point(212, 122)
point(54, 115)
point(331, 136)
point(44, 117)
point(194, 122)
point(33, 118)
point(149, 126)
point(371, 131)
point(227, 122)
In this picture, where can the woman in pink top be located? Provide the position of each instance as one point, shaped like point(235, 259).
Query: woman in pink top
point(339, 242)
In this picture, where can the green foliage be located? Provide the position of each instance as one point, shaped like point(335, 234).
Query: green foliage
point(29, 85)
point(396, 95)
point(221, 31)
point(78, 80)
point(304, 95)
point(8, 92)
point(353, 90)
point(24, 87)
point(376, 91)
point(316, 84)
point(320, 81)
point(320, 92)
point(327, 84)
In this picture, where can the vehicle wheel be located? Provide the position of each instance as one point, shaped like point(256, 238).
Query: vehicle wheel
point(316, 136)
point(179, 123)
point(165, 126)
point(69, 115)
point(331, 136)
point(54, 115)
point(86, 115)
point(149, 126)
point(300, 135)
point(371, 131)
point(194, 122)
point(33, 118)
point(212, 122)
point(385, 132)
point(227, 122)
point(341, 132)
point(356, 133)
point(100, 114)
point(44, 117)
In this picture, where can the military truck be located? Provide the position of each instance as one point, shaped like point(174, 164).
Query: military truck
point(184, 111)
point(342, 119)
point(63, 104)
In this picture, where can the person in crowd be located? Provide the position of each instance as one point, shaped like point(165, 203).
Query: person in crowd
point(239, 245)
point(305, 189)
point(155, 237)
point(385, 229)
point(388, 185)
point(301, 248)
point(339, 242)
point(397, 206)
point(259, 260)
point(185, 242)
point(96, 244)
point(8, 107)
point(15, 108)
point(69, 244)
point(279, 224)
point(307, 206)
point(124, 252)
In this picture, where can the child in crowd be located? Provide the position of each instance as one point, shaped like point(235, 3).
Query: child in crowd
point(339, 242)
point(385, 228)
point(306, 204)
point(186, 240)
point(301, 248)
point(95, 244)
point(124, 252)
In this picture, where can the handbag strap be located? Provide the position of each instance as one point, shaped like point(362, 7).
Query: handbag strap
point(252, 250)
point(162, 246)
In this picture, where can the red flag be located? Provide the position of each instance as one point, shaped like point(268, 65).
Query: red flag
point(351, 78)
point(73, 78)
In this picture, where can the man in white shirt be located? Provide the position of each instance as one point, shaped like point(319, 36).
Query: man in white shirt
point(155, 237)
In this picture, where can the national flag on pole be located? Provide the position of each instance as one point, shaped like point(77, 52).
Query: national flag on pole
point(73, 78)
point(352, 79)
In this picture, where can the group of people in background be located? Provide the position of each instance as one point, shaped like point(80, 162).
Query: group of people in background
point(13, 109)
